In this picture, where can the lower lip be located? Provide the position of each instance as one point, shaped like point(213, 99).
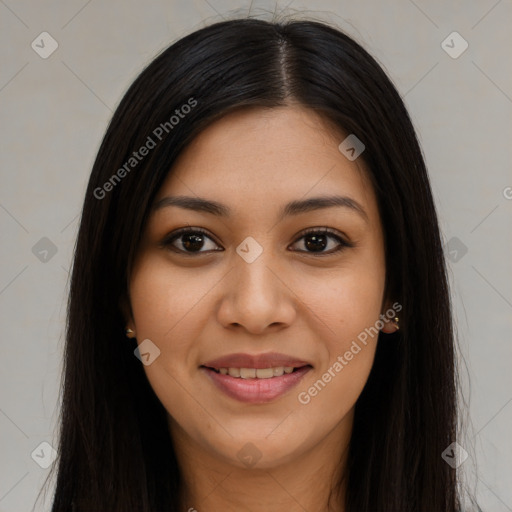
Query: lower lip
point(256, 391)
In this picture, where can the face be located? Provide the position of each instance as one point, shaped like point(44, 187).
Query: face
point(261, 288)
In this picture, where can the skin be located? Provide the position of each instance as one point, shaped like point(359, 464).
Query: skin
point(292, 300)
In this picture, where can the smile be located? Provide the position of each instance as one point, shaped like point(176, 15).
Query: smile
point(256, 385)
point(255, 373)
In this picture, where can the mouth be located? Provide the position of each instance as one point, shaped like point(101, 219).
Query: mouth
point(256, 373)
point(255, 385)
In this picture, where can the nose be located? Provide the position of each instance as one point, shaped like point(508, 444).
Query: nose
point(256, 296)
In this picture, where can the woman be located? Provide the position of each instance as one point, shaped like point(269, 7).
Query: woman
point(259, 315)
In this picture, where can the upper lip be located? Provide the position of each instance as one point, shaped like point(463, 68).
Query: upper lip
point(267, 360)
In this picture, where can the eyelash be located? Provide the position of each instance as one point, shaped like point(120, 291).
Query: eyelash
point(167, 241)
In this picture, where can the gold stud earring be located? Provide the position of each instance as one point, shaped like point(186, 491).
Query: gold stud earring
point(396, 320)
point(129, 333)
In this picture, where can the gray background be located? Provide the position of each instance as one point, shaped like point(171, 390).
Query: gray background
point(54, 112)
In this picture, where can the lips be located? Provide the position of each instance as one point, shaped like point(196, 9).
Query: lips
point(243, 377)
point(268, 360)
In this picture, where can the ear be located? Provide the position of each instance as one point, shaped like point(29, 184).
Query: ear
point(390, 325)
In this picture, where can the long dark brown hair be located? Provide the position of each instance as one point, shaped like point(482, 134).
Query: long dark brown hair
point(115, 453)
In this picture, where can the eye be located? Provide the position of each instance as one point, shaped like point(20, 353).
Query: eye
point(317, 239)
point(192, 240)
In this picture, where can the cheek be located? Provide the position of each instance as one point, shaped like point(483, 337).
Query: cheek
point(347, 313)
point(345, 301)
point(336, 388)
point(163, 311)
point(165, 306)
point(167, 301)
point(347, 307)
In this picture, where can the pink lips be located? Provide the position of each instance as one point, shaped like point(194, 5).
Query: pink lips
point(255, 391)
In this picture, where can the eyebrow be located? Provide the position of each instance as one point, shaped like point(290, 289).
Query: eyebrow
point(292, 208)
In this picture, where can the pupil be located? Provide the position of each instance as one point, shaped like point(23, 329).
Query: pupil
point(318, 243)
point(191, 239)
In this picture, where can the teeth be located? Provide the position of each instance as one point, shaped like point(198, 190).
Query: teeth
point(234, 372)
point(247, 373)
point(264, 373)
point(258, 373)
point(278, 371)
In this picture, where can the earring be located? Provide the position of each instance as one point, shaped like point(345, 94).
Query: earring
point(390, 321)
point(129, 333)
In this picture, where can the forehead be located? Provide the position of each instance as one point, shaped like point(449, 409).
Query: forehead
point(256, 159)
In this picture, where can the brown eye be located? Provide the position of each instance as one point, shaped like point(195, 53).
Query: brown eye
point(188, 241)
point(317, 240)
point(191, 241)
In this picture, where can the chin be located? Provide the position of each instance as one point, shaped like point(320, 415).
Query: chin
point(259, 450)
